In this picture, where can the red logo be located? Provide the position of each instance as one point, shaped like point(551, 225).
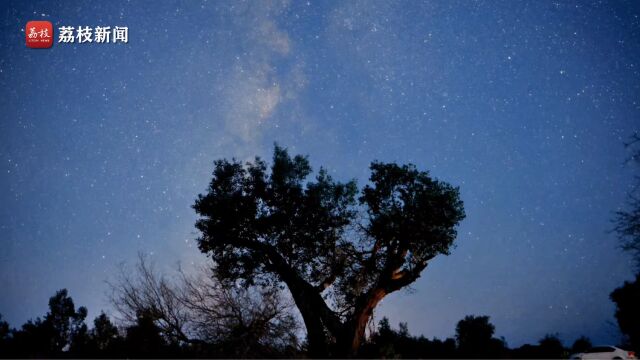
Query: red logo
point(39, 34)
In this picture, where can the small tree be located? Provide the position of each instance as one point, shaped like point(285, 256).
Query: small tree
point(474, 335)
point(627, 298)
point(65, 322)
point(581, 344)
point(551, 347)
point(338, 255)
point(144, 338)
point(61, 329)
point(5, 333)
point(195, 309)
point(104, 334)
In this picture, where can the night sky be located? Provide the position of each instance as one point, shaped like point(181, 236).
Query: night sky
point(525, 106)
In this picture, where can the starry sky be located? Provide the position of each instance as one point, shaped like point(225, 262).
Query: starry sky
point(524, 105)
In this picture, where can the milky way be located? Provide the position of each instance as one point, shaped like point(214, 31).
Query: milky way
point(104, 147)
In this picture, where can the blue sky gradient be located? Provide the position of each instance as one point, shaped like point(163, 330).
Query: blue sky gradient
point(524, 105)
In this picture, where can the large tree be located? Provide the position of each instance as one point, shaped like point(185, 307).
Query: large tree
point(338, 253)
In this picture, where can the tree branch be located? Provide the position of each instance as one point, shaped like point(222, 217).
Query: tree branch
point(304, 294)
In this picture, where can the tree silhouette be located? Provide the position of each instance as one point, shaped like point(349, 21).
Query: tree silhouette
point(628, 221)
point(474, 335)
point(627, 298)
point(65, 322)
point(61, 327)
point(327, 246)
point(34, 339)
point(5, 333)
point(105, 337)
point(550, 347)
point(384, 341)
point(388, 343)
point(4, 329)
point(144, 339)
point(474, 332)
point(581, 344)
point(195, 309)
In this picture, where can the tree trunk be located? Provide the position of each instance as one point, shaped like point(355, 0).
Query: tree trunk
point(358, 324)
point(316, 314)
point(313, 323)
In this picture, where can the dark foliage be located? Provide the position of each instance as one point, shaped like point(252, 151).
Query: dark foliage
point(474, 335)
point(5, 332)
point(627, 298)
point(63, 334)
point(52, 336)
point(475, 340)
point(195, 310)
point(143, 340)
point(628, 221)
point(389, 343)
point(549, 347)
point(581, 344)
point(105, 337)
point(327, 245)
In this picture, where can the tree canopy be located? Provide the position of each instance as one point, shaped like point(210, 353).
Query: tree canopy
point(338, 253)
